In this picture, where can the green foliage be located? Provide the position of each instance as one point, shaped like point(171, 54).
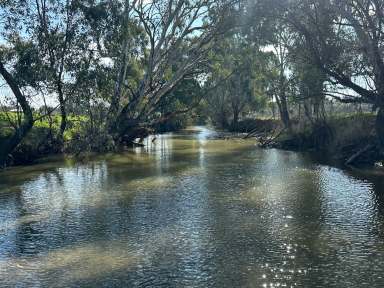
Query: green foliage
point(238, 75)
point(186, 96)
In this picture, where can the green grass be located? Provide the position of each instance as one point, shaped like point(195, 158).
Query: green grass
point(37, 143)
point(74, 124)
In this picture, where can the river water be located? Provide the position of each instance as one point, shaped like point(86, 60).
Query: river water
point(191, 211)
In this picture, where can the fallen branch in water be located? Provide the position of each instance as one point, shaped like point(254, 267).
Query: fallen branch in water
point(255, 132)
point(359, 153)
point(268, 141)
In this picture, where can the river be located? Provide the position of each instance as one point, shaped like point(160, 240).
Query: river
point(190, 210)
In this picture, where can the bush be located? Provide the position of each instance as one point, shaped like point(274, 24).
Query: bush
point(86, 141)
point(37, 144)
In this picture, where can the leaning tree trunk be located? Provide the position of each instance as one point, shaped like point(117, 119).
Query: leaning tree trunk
point(9, 144)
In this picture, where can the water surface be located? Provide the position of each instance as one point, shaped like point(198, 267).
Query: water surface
point(191, 211)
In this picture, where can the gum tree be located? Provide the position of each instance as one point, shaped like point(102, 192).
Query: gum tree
point(179, 35)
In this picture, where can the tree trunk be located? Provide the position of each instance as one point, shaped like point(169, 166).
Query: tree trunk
point(380, 129)
point(220, 117)
point(115, 101)
point(308, 111)
point(113, 111)
point(9, 144)
point(284, 114)
point(235, 123)
point(273, 112)
point(63, 112)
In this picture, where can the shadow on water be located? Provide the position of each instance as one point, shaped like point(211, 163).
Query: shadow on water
point(191, 210)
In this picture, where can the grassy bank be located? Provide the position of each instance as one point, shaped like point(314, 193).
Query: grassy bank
point(350, 139)
point(42, 140)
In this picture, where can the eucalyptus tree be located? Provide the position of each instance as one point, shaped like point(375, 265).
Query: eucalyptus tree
point(25, 123)
point(241, 83)
point(178, 34)
point(238, 69)
point(266, 26)
point(19, 63)
point(346, 41)
point(55, 26)
point(280, 43)
point(310, 82)
point(246, 86)
point(42, 44)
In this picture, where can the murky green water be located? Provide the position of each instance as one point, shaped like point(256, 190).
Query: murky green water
point(190, 211)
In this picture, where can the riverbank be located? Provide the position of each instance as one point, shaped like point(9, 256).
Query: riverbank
point(344, 140)
point(350, 139)
point(83, 138)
